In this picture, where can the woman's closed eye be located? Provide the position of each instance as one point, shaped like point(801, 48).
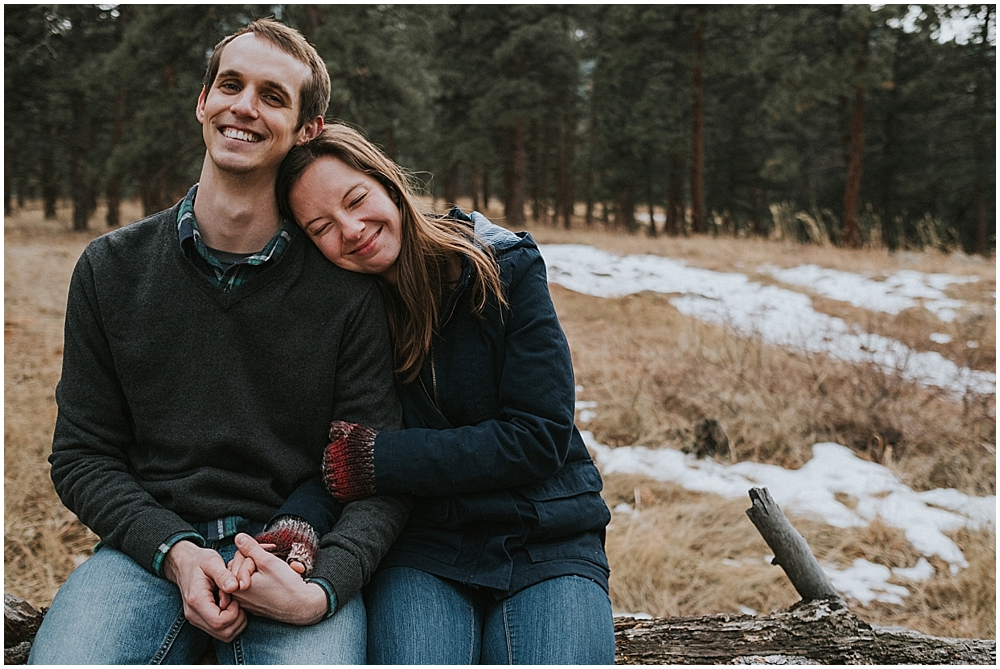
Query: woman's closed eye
point(357, 200)
point(320, 229)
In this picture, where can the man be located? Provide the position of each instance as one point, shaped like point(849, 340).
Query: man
point(207, 350)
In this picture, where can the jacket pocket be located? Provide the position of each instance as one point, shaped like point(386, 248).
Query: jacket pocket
point(588, 546)
point(568, 503)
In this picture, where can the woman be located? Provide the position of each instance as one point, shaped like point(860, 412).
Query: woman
point(503, 557)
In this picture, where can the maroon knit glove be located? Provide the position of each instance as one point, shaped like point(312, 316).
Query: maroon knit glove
point(349, 461)
point(294, 540)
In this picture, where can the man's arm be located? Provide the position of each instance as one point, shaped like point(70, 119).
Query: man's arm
point(350, 552)
point(91, 472)
point(94, 432)
point(366, 393)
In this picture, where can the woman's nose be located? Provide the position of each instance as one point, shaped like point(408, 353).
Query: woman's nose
point(351, 227)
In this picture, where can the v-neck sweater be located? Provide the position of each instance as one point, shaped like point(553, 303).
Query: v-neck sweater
point(180, 402)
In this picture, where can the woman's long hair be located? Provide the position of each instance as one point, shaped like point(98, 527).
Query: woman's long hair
point(427, 243)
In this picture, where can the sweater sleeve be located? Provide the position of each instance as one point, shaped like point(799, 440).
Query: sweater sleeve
point(529, 439)
point(366, 529)
point(93, 434)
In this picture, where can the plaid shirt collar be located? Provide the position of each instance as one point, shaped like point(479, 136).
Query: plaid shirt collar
point(194, 248)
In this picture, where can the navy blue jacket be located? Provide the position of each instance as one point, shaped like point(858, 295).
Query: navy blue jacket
point(506, 493)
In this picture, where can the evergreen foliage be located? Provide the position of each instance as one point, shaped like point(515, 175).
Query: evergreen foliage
point(859, 125)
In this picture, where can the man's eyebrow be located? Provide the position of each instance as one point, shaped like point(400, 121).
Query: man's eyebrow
point(276, 85)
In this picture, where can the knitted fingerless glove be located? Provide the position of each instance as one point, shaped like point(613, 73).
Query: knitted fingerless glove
point(294, 540)
point(349, 461)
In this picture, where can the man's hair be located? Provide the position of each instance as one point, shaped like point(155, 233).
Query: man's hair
point(315, 96)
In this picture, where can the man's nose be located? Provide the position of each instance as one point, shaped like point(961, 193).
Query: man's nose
point(245, 103)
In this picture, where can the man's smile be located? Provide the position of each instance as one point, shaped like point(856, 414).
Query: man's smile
point(242, 135)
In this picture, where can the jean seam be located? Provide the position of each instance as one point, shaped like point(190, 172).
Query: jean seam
point(168, 642)
point(472, 636)
point(507, 634)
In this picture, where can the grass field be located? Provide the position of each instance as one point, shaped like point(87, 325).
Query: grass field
point(653, 373)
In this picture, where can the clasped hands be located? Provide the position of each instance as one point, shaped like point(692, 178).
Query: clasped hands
point(217, 597)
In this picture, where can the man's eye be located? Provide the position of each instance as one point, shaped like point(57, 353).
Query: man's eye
point(229, 86)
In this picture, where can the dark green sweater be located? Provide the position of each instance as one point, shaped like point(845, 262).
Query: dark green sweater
point(179, 402)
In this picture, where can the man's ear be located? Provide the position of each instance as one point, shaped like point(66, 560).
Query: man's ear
point(310, 130)
point(199, 111)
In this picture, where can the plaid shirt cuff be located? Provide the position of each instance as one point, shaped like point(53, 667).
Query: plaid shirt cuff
point(161, 552)
point(331, 596)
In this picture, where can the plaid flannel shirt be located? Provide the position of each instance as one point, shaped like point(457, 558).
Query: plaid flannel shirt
point(238, 273)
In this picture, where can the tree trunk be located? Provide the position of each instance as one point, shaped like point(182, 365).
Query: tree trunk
point(113, 195)
point(625, 210)
point(79, 148)
point(564, 180)
point(514, 173)
point(114, 188)
point(756, 229)
point(675, 196)
point(486, 188)
point(981, 245)
point(50, 191)
point(697, 132)
point(7, 184)
point(451, 185)
point(474, 185)
point(390, 142)
point(540, 175)
point(852, 192)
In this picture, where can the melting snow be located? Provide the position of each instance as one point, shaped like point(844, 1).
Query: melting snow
point(786, 318)
point(780, 316)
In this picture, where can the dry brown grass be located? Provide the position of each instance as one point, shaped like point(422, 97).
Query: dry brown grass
point(654, 374)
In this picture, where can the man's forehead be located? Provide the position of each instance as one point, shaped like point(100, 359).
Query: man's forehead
point(253, 56)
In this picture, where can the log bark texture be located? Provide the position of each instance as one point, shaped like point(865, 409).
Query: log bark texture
point(20, 623)
point(813, 632)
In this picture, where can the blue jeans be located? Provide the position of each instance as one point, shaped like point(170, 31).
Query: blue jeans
point(112, 611)
point(417, 618)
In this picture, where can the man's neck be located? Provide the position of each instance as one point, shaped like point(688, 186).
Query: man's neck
point(236, 213)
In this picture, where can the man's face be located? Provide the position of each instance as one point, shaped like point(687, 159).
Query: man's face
point(249, 115)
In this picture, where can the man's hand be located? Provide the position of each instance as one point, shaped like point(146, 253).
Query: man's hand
point(206, 587)
point(276, 590)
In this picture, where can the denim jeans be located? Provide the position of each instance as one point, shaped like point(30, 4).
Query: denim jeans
point(417, 618)
point(112, 611)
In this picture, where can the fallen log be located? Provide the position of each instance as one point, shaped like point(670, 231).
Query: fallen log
point(20, 624)
point(817, 630)
point(810, 632)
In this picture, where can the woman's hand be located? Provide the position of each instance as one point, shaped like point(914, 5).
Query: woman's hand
point(292, 539)
point(274, 589)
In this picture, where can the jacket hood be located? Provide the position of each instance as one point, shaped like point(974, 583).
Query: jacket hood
point(492, 235)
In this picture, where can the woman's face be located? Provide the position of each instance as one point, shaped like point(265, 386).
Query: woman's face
point(349, 216)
